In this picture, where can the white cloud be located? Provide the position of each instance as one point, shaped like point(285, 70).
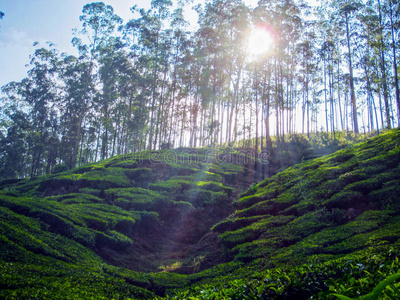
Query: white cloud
point(12, 37)
point(15, 48)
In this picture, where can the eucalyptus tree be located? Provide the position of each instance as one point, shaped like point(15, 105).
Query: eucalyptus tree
point(347, 10)
point(206, 57)
point(75, 107)
point(134, 92)
point(392, 9)
point(111, 57)
point(13, 146)
point(333, 28)
point(200, 68)
point(39, 91)
point(220, 43)
point(31, 116)
point(223, 26)
point(358, 23)
point(378, 36)
point(14, 127)
point(176, 91)
point(382, 46)
point(211, 37)
point(156, 83)
point(152, 37)
point(238, 22)
point(137, 79)
point(327, 54)
point(368, 59)
point(161, 109)
point(198, 75)
point(284, 17)
point(99, 23)
point(268, 13)
point(307, 67)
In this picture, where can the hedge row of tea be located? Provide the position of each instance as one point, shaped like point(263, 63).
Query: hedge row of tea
point(59, 231)
point(355, 276)
point(330, 206)
point(324, 227)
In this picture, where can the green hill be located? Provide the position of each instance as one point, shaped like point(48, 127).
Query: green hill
point(118, 228)
point(326, 207)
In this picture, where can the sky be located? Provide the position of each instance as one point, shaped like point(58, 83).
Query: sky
point(29, 21)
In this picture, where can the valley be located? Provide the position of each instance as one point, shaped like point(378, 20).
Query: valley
point(154, 223)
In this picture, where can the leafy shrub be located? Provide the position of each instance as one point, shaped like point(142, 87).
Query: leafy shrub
point(59, 168)
point(113, 240)
point(345, 200)
point(140, 175)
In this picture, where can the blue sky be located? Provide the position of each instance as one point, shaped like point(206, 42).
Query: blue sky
point(28, 21)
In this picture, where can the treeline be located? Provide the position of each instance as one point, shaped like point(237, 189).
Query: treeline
point(152, 83)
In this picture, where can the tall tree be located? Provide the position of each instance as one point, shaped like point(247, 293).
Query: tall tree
point(393, 9)
point(347, 10)
point(98, 25)
point(78, 88)
point(383, 66)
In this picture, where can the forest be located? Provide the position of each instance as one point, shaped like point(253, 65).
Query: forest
point(154, 82)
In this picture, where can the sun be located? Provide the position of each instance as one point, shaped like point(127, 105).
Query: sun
point(260, 41)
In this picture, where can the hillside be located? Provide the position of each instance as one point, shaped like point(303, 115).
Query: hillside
point(332, 205)
point(115, 229)
point(142, 212)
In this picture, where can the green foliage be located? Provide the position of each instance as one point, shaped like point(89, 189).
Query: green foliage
point(106, 208)
point(324, 227)
point(135, 198)
point(51, 279)
point(335, 204)
point(356, 274)
point(139, 175)
point(385, 287)
point(59, 168)
point(129, 164)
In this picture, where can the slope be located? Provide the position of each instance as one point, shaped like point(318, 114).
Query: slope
point(93, 231)
point(142, 212)
point(329, 206)
point(325, 226)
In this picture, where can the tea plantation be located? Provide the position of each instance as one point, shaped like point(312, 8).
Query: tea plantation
point(182, 224)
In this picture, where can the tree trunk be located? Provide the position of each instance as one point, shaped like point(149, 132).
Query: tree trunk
point(396, 78)
point(353, 95)
point(383, 68)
